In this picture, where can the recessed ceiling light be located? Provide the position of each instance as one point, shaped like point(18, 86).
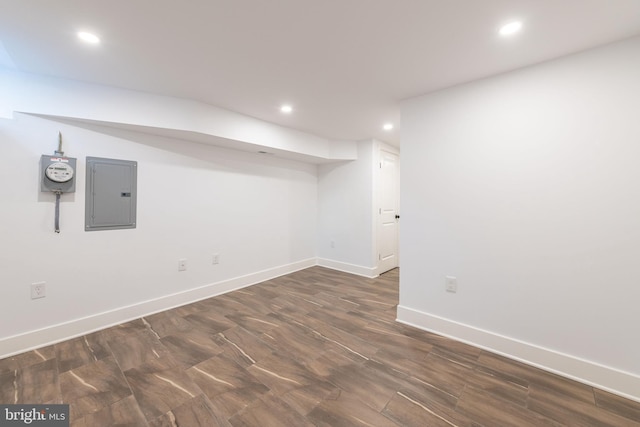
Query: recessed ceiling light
point(88, 37)
point(510, 28)
point(387, 126)
point(286, 109)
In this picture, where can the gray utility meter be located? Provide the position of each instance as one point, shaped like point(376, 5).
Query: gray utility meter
point(57, 175)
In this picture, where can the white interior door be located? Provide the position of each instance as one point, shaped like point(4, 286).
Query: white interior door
point(388, 196)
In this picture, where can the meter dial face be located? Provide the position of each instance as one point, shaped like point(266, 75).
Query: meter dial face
point(59, 172)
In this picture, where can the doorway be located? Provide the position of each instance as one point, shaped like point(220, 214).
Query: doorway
point(388, 211)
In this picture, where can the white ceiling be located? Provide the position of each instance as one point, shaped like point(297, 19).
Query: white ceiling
point(343, 64)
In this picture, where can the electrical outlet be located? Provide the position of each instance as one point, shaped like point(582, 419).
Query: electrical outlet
point(451, 284)
point(332, 244)
point(38, 290)
point(215, 259)
point(182, 265)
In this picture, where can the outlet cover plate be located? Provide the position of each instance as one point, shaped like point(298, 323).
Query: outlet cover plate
point(451, 284)
point(38, 290)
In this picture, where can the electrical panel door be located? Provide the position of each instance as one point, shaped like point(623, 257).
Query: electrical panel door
point(111, 194)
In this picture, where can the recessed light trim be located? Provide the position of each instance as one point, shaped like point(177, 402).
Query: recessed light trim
point(287, 109)
point(88, 37)
point(387, 126)
point(510, 28)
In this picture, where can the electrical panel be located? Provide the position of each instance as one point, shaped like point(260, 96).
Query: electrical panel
point(111, 194)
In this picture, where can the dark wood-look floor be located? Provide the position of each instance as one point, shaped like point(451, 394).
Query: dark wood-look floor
point(313, 348)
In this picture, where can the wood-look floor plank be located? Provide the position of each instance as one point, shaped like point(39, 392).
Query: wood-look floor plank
point(566, 409)
point(617, 404)
point(296, 341)
point(489, 410)
point(160, 385)
point(427, 394)
point(406, 410)
point(304, 399)
point(492, 383)
point(243, 346)
point(137, 348)
point(191, 347)
point(393, 343)
point(27, 359)
point(80, 351)
point(37, 382)
point(93, 387)
point(443, 374)
point(332, 361)
point(345, 410)
point(269, 411)
point(123, 413)
point(281, 374)
point(372, 386)
point(315, 347)
point(537, 376)
point(194, 412)
point(167, 323)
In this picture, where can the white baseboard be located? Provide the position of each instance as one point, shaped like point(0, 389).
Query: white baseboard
point(622, 383)
point(358, 270)
point(78, 327)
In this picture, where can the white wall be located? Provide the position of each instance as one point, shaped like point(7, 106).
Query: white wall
point(258, 212)
point(345, 213)
point(526, 187)
point(348, 211)
point(264, 215)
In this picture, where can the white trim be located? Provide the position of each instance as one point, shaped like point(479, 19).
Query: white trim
point(358, 270)
point(622, 383)
point(63, 331)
